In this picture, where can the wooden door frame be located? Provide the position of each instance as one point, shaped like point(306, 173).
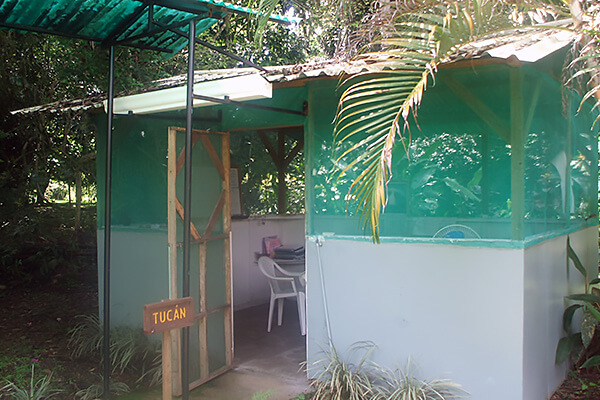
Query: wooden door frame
point(175, 209)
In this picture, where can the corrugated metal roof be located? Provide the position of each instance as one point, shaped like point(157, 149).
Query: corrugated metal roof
point(526, 45)
point(135, 23)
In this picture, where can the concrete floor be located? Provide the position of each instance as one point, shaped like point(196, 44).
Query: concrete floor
point(263, 362)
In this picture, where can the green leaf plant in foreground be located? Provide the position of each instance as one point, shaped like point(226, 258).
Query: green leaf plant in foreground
point(40, 389)
point(576, 345)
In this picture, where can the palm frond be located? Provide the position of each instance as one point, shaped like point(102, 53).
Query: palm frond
point(374, 108)
point(265, 9)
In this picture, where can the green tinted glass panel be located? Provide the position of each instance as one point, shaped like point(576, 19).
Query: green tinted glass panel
point(464, 165)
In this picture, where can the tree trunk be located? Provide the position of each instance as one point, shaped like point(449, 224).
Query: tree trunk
point(77, 200)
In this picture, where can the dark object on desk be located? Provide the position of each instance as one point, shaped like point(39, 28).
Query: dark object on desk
point(289, 252)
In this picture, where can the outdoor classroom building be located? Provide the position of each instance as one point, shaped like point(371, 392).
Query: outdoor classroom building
point(470, 278)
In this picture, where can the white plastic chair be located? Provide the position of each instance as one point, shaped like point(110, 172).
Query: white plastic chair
point(282, 287)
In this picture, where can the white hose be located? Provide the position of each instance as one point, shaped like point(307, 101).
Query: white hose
point(319, 243)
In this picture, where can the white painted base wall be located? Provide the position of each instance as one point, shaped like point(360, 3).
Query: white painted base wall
point(250, 287)
point(487, 318)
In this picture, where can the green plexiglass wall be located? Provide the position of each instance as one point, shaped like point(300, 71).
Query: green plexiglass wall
point(458, 168)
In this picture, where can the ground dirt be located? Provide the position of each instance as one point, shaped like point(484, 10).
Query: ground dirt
point(34, 326)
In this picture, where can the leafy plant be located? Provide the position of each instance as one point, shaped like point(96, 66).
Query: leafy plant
point(96, 390)
point(575, 344)
point(37, 390)
point(15, 368)
point(341, 380)
point(586, 384)
point(130, 349)
point(403, 385)
point(262, 395)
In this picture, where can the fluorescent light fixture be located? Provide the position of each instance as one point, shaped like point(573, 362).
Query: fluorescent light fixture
point(240, 88)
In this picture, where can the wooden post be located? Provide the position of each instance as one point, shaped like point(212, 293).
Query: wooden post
point(517, 158)
point(172, 240)
point(227, 251)
point(202, 322)
point(281, 187)
point(167, 379)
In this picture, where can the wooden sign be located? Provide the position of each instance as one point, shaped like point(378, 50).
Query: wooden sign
point(168, 314)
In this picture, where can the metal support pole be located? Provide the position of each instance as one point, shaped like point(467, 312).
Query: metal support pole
point(187, 204)
point(107, 223)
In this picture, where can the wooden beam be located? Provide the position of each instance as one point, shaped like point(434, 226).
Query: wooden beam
point(175, 347)
point(281, 184)
point(172, 211)
point(270, 149)
point(292, 154)
point(180, 210)
point(203, 322)
point(214, 217)
point(517, 157)
point(181, 158)
point(200, 382)
point(228, 314)
point(532, 106)
point(167, 379)
point(478, 107)
point(287, 128)
point(210, 149)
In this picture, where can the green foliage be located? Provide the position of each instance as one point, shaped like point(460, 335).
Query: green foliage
point(15, 368)
point(39, 389)
point(575, 344)
point(329, 25)
point(584, 69)
point(258, 175)
point(404, 385)
point(130, 348)
point(303, 396)
point(96, 390)
point(262, 395)
point(41, 242)
point(341, 380)
point(585, 383)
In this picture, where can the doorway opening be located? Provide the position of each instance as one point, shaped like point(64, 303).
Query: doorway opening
point(269, 164)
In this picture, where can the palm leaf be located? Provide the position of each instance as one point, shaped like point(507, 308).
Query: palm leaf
point(374, 108)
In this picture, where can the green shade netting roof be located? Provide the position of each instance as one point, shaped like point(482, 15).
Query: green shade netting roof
point(135, 23)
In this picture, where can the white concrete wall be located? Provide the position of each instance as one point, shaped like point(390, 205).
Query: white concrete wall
point(453, 310)
point(250, 287)
point(546, 284)
point(487, 318)
point(139, 274)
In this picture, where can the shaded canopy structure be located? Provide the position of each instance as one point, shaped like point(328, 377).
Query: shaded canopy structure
point(160, 25)
point(156, 25)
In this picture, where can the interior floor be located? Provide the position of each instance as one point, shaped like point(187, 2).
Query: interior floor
point(277, 353)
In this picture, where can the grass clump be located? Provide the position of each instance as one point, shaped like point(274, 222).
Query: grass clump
point(342, 380)
point(40, 389)
point(130, 348)
point(404, 385)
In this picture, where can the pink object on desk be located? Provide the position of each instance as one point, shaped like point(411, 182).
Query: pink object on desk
point(270, 243)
